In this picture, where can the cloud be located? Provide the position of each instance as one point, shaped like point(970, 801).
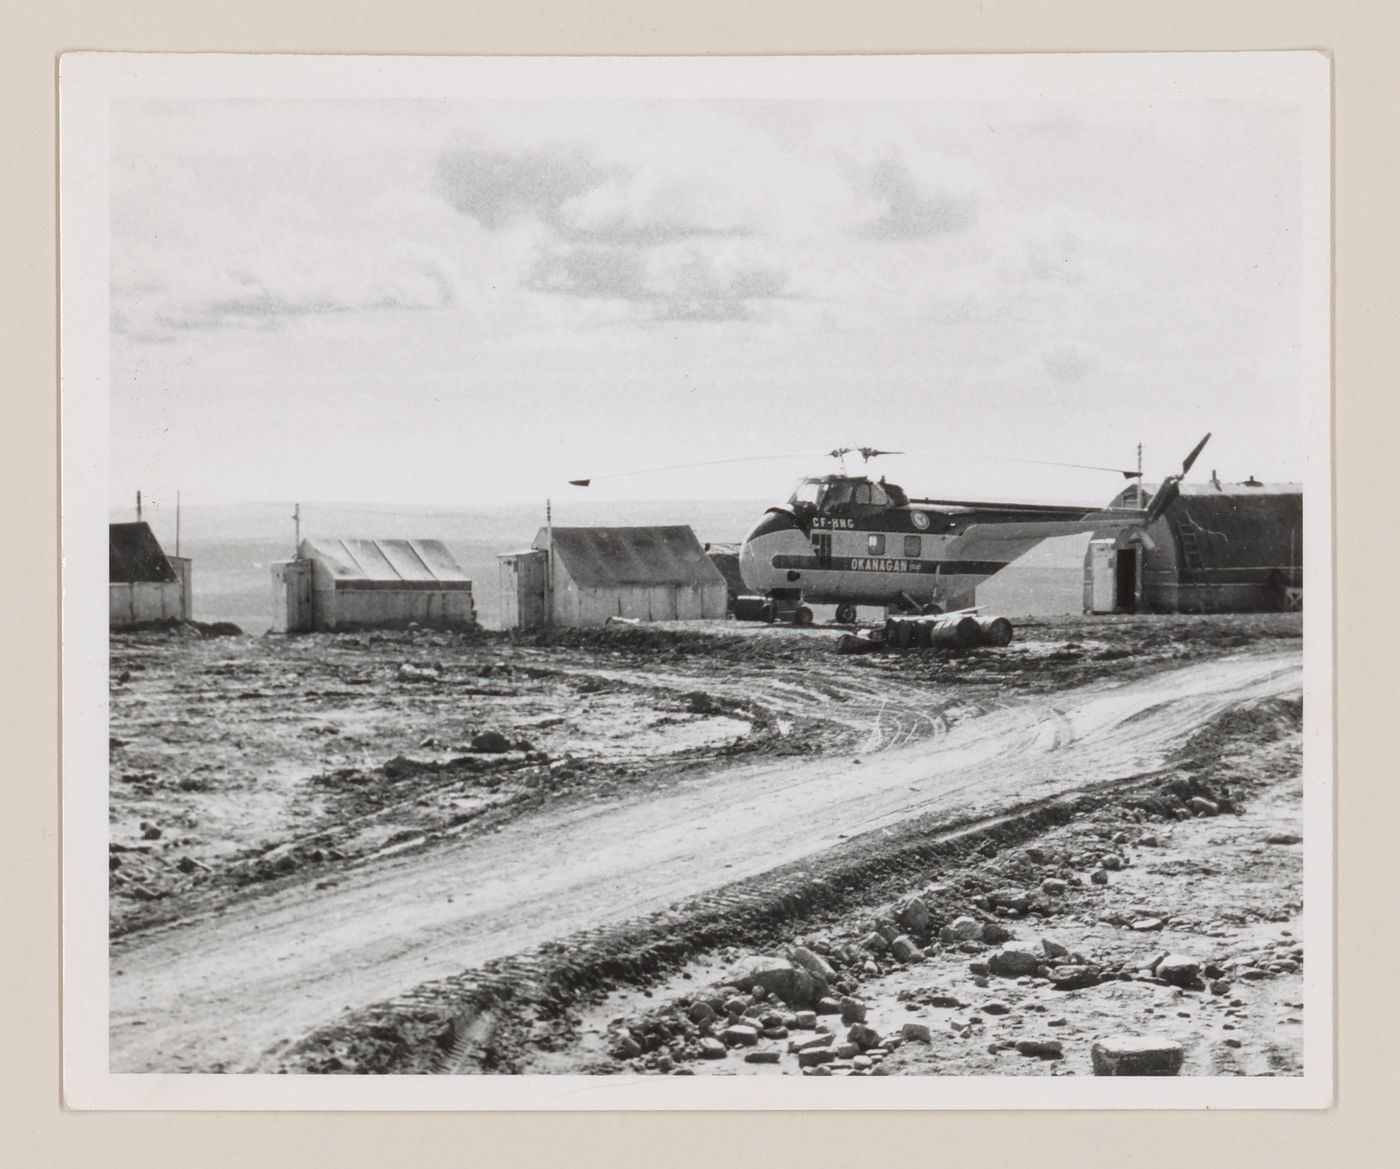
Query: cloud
point(249, 284)
point(696, 280)
point(915, 197)
point(498, 187)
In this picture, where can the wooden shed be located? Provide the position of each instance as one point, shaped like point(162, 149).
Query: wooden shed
point(143, 583)
point(1219, 548)
point(342, 584)
point(654, 573)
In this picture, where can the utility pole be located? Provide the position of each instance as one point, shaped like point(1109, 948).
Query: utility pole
point(177, 523)
point(1139, 477)
point(138, 506)
point(296, 520)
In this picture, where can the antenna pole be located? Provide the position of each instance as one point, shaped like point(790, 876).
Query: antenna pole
point(549, 564)
point(177, 523)
point(296, 521)
point(138, 506)
point(1139, 477)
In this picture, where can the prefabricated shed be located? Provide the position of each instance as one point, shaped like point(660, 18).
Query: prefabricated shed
point(642, 573)
point(143, 583)
point(340, 584)
point(1219, 548)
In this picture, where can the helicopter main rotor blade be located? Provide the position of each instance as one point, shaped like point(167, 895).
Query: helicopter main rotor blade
point(1170, 490)
point(684, 467)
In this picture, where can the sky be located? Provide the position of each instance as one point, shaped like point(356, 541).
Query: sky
point(471, 302)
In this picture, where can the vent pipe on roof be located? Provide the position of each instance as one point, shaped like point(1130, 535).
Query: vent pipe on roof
point(138, 506)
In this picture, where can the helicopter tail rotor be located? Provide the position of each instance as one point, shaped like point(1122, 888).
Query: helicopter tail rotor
point(1170, 490)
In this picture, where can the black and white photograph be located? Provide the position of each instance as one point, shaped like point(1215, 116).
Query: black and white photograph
point(697, 582)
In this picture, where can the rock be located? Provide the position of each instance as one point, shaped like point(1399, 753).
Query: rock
point(1034, 855)
point(863, 1037)
point(1099, 876)
point(875, 943)
point(829, 1006)
point(1178, 970)
point(1149, 841)
point(1042, 1048)
point(996, 1008)
point(149, 832)
point(1014, 960)
point(847, 1051)
point(1053, 887)
point(702, 1013)
point(775, 1033)
point(904, 949)
point(783, 979)
point(768, 1056)
point(627, 1048)
point(815, 1057)
point(737, 1005)
point(739, 1035)
point(916, 1033)
point(1202, 806)
point(1075, 977)
point(408, 672)
point(852, 1010)
point(1052, 949)
point(805, 1020)
point(962, 929)
point(913, 914)
point(813, 963)
point(712, 1048)
point(978, 969)
point(1220, 986)
point(1137, 1056)
point(1146, 924)
point(490, 742)
point(994, 933)
point(1283, 838)
point(1016, 900)
point(811, 1044)
point(1111, 861)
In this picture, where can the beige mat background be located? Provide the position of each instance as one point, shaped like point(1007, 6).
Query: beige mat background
point(1364, 38)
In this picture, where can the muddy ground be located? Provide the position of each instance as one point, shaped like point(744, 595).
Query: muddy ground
point(244, 770)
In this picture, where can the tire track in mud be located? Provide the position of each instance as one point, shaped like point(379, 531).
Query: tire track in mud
point(189, 998)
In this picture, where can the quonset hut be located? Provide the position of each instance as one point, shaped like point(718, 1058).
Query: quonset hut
point(143, 583)
point(1219, 548)
point(338, 584)
point(640, 573)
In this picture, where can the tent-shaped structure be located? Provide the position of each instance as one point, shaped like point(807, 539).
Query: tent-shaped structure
point(338, 584)
point(654, 573)
point(143, 583)
point(1219, 548)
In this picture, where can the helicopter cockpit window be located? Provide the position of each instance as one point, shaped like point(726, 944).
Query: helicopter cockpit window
point(807, 492)
point(838, 498)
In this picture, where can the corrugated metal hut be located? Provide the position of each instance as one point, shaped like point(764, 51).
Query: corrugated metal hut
point(340, 584)
point(144, 584)
point(725, 557)
point(1219, 548)
point(641, 573)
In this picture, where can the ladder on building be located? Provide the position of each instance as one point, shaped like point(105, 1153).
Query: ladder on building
point(1190, 548)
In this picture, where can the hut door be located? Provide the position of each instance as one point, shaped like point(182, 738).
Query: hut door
point(1125, 582)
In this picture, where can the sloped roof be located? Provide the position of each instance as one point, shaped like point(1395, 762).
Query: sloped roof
point(134, 555)
point(385, 561)
point(653, 555)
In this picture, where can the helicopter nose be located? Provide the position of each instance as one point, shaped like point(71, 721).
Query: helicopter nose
point(775, 519)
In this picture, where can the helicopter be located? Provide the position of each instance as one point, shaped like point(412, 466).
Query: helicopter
point(847, 539)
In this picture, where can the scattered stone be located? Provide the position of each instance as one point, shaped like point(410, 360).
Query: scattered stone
point(786, 980)
point(994, 933)
point(904, 949)
point(805, 1020)
point(1099, 877)
point(1076, 977)
point(1042, 1048)
point(1147, 924)
point(847, 1051)
point(863, 1037)
point(769, 1056)
point(711, 1048)
point(1052, 949)
point(875, 943)
point(1034, 855)
point(813, 963)
point(1283, 838)
point(702, 1013)
point(829, 1006)
point(1149, 841)
point(1014, 960)
point(489, 742)
point(739, 1035)
point(913, 914)
point(1202, 806)
point(814, 1057)
point(997, 1008)
point(737, 1005)
point(627, 1048)
point(852, 1010)
point(1053, 887)
point(1111, 861)
point(1233, 1043)
point(916, 1033)
point(1137, 1056)
point(961, 929)
point(1179, 970)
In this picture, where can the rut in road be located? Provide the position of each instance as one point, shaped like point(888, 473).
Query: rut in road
point(223, 990)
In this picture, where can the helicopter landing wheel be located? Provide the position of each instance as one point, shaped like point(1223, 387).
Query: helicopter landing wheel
point(802, 616)
point(845, 614)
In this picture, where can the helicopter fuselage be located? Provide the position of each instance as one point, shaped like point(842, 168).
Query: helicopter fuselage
point(846, 540)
